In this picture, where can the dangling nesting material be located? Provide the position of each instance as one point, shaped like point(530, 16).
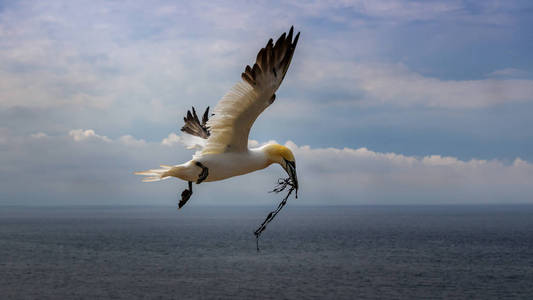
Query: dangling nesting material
point(282, 185)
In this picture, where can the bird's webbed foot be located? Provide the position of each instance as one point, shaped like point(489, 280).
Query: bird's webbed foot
point(203, 175)
point(185, 196)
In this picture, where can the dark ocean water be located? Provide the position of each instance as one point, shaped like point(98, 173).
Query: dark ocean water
point(408, 252)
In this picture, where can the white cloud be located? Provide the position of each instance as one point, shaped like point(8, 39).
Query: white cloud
point(184, 140)
point(253, 143)
point(508, 73)
point(131, 141)
point(396, 84)
point(38, 135)
point(194, 142)
point(171, 140)
point(79, 135)
point(373, 177)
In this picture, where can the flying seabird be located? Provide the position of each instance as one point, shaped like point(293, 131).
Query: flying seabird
point(223, 136)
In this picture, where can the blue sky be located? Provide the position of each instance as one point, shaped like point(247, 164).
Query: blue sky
point(416, 101)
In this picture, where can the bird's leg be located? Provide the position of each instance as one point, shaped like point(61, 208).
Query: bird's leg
point(203, 175)
point(185, 195)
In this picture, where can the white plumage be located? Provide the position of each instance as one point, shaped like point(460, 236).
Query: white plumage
point(233, 117)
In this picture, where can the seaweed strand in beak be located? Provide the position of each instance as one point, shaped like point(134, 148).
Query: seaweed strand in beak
point(291, 170)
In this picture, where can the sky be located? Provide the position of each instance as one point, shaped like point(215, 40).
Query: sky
point(385, 102)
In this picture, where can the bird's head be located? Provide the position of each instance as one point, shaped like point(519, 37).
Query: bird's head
point(282, 155)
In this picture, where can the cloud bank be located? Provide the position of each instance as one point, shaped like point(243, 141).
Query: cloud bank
point(83, 167)
point(394, 84)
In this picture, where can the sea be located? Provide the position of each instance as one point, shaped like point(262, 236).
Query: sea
point(329, 252)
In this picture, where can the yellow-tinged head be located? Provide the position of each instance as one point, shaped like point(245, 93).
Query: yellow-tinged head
point(277, 153)
point(282, 155)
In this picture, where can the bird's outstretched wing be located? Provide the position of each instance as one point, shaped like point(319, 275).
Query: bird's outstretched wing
point(236, 112)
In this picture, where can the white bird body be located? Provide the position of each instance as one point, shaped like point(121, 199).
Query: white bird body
point(222, 166)
point(224, 137)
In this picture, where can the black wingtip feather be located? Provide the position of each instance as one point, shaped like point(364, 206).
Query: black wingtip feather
point(296, 40)
point(205, 118)
point(193, 126)
point(281, 38)
point(273, 58)
point(289, 37)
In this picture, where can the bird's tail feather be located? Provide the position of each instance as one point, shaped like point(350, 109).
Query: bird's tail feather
point(155, 174)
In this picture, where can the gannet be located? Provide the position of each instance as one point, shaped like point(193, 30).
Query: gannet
point(223, 136)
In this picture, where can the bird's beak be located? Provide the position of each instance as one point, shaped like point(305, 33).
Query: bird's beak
point(291, 170)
